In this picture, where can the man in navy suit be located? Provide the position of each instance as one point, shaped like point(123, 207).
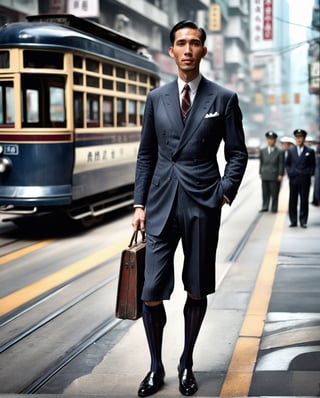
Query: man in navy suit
point(179, 194)
point(300, 165)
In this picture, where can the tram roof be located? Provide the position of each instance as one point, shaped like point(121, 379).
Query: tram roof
point(63, 35)
point(89, 27)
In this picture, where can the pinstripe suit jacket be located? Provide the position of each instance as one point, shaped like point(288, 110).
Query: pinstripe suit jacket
point(172, 153)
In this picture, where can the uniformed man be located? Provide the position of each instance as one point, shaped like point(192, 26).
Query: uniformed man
point(271, 172)
point(300, 165)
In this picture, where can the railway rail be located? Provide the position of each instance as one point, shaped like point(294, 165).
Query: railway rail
point(53, 328)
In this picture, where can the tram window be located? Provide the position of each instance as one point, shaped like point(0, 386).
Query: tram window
point(107, 69)
point(57, 106)
point(42, 59)
point(132, 108)
point(107, 112)
point(121, 112)
point(153, 82)
point(132, 75)
point(92, 81)
point(77, 62)
point(141, 108)
point(121, 72)
point(92, 110)
point(121, 87)
point(78, 78)
point(132, 89)
point(92, 65)
point(107, 84)
point(4, 59)
point(32, 105)
point(143, 78)
point(143, 90)
point(78, 109)
point(6, 104)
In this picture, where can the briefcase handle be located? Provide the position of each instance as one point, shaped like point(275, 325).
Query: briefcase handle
point(134, 238)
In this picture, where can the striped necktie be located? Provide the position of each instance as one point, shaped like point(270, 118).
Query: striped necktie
point(185, 102)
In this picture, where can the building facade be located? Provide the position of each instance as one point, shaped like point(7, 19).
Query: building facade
point(248, 48)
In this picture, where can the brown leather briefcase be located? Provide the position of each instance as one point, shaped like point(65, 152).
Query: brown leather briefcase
point(131, 277)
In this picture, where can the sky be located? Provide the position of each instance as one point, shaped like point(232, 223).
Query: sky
point(300, 21)
point(300, 14)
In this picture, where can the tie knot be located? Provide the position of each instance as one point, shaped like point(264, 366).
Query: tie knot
point(186, 87)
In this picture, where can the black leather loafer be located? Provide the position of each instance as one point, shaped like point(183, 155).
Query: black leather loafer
point(187, 382)
point(151, 383)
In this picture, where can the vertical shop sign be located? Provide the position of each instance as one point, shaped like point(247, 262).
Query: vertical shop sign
point(267, 20)
point(261, 19)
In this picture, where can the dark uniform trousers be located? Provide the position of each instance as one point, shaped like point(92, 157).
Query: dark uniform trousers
point(270, 190)
point(299, 186)
point(198, 228)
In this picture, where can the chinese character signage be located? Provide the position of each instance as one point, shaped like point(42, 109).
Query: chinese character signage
point(267, 20)
point(261, 24)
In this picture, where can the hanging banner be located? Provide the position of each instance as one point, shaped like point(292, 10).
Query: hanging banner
point(267, 20)
point(261, 21)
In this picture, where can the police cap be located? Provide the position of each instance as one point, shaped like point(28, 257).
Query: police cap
point(271, 134)
point(300, 132)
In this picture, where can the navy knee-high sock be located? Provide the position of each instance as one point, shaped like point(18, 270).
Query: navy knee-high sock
point(154, 320)
point(194, 312)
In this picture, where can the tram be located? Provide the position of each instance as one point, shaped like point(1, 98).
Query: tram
point(72, 96)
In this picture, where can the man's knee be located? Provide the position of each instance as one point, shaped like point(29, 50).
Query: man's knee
point(195, 297)
point(152, 303)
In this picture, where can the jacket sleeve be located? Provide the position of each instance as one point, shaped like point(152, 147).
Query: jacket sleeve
point(147, 155)
point(235, 150)
point(281, 163)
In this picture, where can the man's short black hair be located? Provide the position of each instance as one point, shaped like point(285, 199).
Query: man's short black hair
point(187, 24)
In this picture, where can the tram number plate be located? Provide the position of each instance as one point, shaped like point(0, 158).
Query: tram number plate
point(11, 149)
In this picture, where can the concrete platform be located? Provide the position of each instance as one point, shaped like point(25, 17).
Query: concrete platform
point(284, 359)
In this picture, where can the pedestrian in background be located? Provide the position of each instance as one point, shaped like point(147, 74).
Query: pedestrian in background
point(286, 143)
point(179, 194)
point(316, 185)
point(271, 170)
point(300, 165)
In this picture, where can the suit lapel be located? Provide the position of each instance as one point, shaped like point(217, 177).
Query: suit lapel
point(172, 105)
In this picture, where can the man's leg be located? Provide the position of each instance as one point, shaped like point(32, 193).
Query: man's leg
point(194, 312)
point(293, 203)
point(265, 195)
point(154, 320)
point(158, 286)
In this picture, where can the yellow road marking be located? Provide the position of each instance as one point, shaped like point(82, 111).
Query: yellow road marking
point(34, 290)
point(239, 375)
point(22, 252)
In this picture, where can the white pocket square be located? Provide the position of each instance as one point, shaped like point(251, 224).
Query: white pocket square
point(215, 114)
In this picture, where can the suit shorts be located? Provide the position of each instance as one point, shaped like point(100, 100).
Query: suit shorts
point(198, 229)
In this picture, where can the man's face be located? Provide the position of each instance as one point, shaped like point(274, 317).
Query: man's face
point(271, 141)
point(300, 140)
point(187, 50)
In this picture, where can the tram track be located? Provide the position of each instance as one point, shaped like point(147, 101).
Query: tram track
point(96, 334)
point(71, 302)
point(107, 326)
point(24, 333)
point(21, 331)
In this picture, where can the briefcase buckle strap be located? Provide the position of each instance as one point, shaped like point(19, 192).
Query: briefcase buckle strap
point(134, 238)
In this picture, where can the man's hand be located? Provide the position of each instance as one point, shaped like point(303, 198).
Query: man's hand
point(139, 218)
